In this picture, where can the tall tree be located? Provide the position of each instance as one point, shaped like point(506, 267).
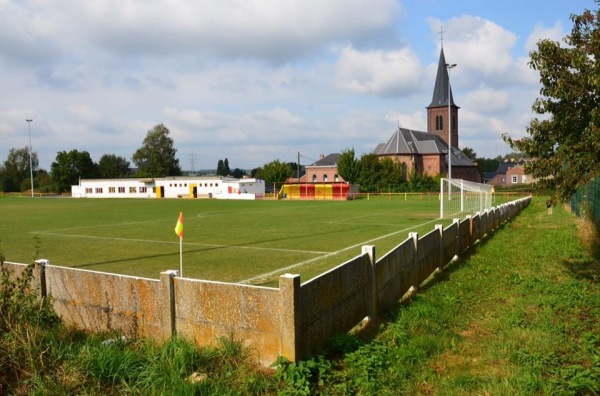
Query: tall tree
point(156, 157)
point(44, 182)
point(256, 173)
point(565, 142)
point(112, 166)
point(470, 153)
point(390, 175)
point(226, 170)
point(348, 166)
point(276, 172)
point(238, 173)
point(71, 166)
point(220, 168)
point(16, 172)
point(370, 172)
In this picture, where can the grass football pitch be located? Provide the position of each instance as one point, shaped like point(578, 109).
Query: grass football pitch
point(232, 241)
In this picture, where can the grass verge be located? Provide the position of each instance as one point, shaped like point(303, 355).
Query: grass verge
point(519, 315)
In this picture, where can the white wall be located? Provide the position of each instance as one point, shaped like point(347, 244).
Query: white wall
point(174, 187)
point(113, 188)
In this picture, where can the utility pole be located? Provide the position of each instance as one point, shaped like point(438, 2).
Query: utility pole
point(449, 66)
point(30, 160)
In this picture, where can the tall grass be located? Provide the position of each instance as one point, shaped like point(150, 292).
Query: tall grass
point(40, 356)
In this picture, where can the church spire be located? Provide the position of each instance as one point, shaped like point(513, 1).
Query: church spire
point(440, 90)
point(439, 121)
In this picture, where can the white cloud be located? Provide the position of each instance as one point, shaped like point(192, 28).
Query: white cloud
point(416, 120)
point(379, 72)
point(272, 31)
point(253, 80)
point(487, 100)
point(477, 44)
point(539, 32)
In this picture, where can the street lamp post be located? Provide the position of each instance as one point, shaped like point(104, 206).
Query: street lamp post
point(449, 66)
point(30, 160)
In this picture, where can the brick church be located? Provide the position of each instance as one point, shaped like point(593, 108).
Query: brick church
point(427, 152)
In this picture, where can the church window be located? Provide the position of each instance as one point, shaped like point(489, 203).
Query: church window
point(439, 123)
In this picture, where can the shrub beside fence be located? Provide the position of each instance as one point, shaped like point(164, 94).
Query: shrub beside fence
point(292, 321)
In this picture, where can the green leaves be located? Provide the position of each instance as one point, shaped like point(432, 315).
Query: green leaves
point(276, 172)
point(348, 166)
point(71, 166)
point(564, 141)
point(156, 157)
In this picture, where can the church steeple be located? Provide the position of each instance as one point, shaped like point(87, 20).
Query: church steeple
point(440, 90)
point(437, 111)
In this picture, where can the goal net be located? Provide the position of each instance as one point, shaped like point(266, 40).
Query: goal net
point(460, 197)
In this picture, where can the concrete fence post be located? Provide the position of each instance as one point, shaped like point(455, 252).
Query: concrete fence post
point(372, 310)
point(289, 317)
point(469, 218)
point(41, 270)
point(440, 229)
point(168, 303)
point(414, 270)
point(457, 236)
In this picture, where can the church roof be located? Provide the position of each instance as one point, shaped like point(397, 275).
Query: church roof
point(440, 90)
point(407, 141)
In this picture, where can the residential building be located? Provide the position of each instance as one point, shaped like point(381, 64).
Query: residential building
point(510, 174)
point(324, 170)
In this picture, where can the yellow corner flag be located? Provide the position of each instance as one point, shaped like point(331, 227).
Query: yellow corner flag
point(179, 226)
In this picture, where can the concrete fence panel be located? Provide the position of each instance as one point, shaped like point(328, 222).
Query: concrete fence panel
point(334, 302)
point(495, 218)
point(475, 227)
point(429, 254)
point(206, 311)
point(450, 242)
point(485, 223)
point(15, 269)
point(392, 278)
point(464, 234)
point(99, 301)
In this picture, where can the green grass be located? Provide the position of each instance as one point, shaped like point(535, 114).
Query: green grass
point(520, 315)
point(223, 240)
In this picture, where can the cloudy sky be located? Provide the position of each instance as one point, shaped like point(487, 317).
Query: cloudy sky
point(257, 80)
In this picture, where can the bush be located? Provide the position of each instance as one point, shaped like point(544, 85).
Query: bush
point(26, 324)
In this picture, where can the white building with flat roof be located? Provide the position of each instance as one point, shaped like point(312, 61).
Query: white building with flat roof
point(171, 187)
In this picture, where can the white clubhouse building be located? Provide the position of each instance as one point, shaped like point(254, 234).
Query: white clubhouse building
point(171, 187)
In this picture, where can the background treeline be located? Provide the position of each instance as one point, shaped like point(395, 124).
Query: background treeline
point(157, 158)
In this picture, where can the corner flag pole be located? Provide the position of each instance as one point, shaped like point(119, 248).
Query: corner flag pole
point(179, 232)
point(181, 256)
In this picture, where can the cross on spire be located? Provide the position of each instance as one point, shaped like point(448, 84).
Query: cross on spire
point(441, 33)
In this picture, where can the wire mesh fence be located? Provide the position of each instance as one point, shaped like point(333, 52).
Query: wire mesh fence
point(586, 201)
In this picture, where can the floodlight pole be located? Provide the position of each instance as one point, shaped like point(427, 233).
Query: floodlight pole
point(30, 160)
point(449, 66)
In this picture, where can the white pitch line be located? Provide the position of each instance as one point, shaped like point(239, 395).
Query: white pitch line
point(96, 226)
point(185, 243)
point(263, 277)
